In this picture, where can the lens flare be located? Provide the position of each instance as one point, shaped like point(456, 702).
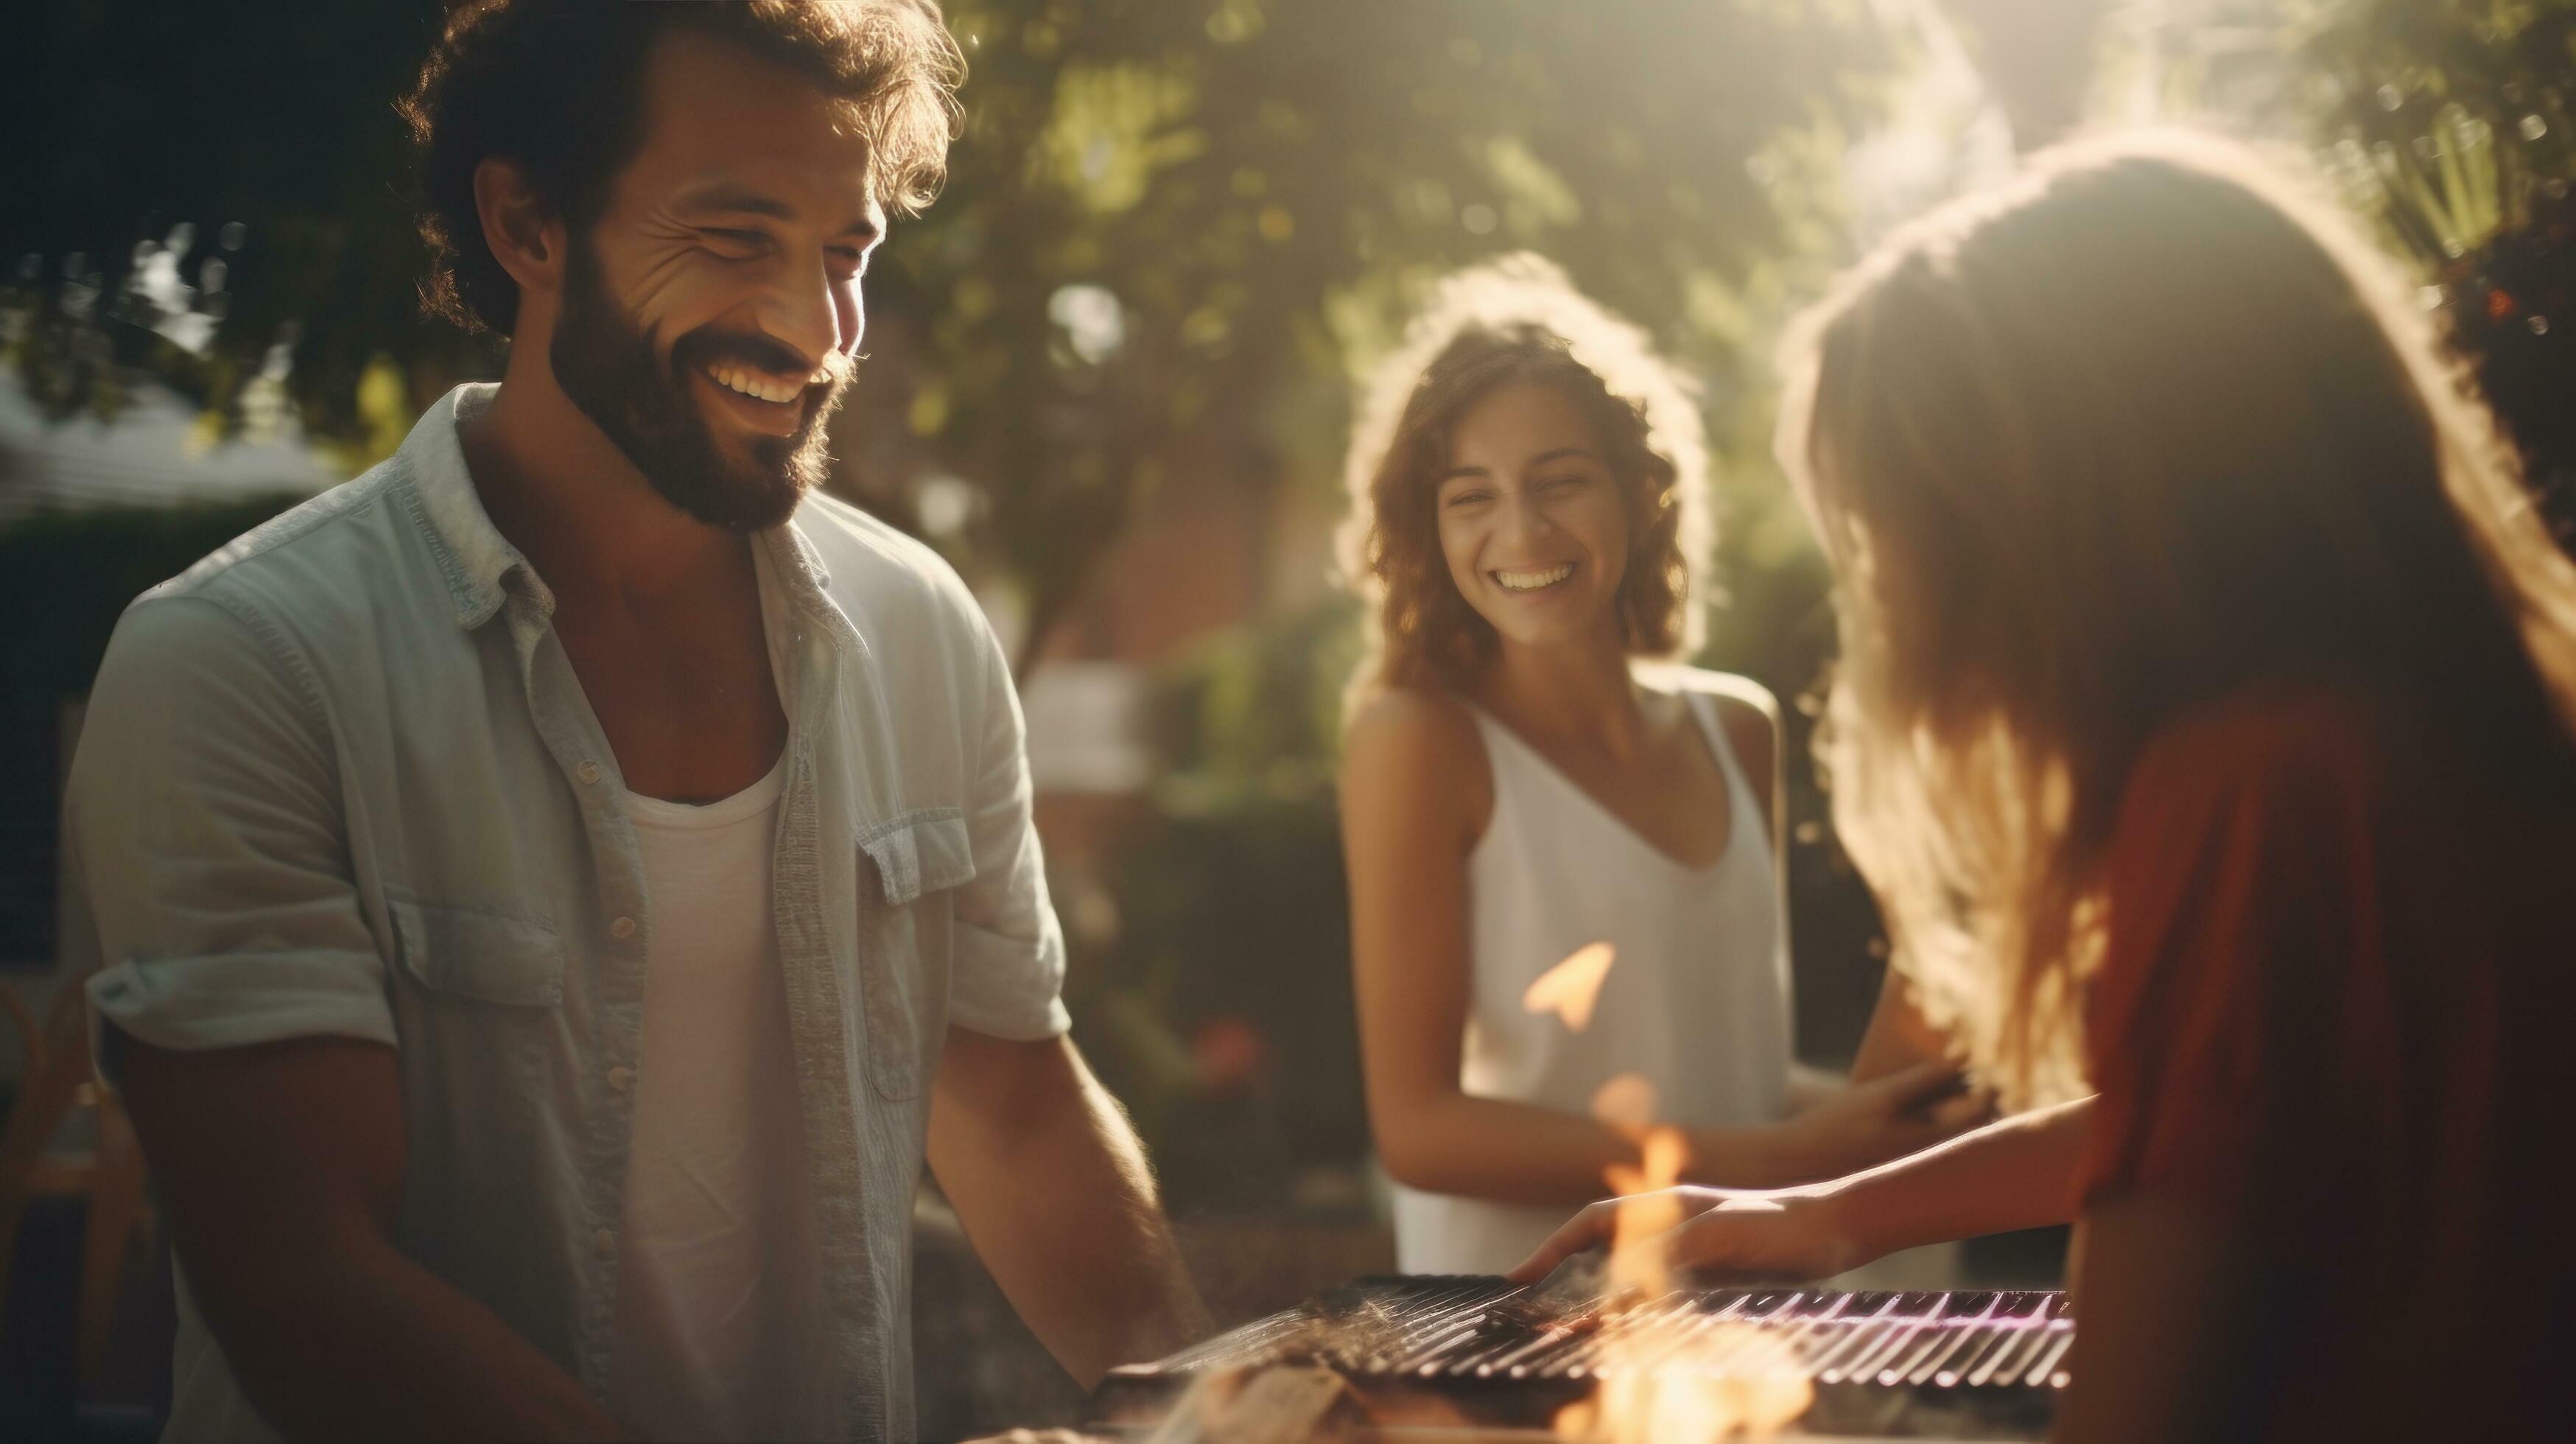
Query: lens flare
point(1570, 989)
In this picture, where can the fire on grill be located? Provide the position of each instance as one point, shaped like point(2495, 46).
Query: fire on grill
point(1483, 1357)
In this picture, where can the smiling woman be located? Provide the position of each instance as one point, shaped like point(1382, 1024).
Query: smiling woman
point(1567, 936)
point(1633, 428)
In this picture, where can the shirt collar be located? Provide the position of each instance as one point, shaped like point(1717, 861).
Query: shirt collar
point(479, 563)
point(472, 554)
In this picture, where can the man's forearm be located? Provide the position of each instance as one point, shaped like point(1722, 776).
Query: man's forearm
point(1053, 1189)
point(2012, 1174)
point(362, 1342)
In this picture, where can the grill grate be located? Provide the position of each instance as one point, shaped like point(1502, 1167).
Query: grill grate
point(1514, 1354)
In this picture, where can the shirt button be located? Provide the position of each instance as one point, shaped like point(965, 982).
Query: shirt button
point(587, 772)
point(622, 929)
point(604, 1243)
point(621, 1078)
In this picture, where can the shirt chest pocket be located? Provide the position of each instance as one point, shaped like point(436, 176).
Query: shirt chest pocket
point(478, 1005)
point(459, 953)
point(906, 906)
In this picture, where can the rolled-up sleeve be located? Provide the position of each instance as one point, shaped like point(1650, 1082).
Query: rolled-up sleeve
point(204, 842)
point(1007, 977)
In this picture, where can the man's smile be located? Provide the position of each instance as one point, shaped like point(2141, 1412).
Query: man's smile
point(756, 402)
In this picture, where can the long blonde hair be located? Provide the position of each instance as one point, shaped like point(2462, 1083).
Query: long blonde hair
point(2146, 426)
point(1512, 320)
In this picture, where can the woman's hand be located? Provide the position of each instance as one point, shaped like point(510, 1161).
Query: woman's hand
point(1869, 1123)
point(1787, 1234)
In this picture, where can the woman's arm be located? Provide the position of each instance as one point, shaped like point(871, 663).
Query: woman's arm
point(1415, 798)
point(1899, 1036)
point(2013, 1174)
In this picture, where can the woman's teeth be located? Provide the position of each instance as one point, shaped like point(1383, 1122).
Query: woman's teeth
point(1534, 581)
point(754, 385)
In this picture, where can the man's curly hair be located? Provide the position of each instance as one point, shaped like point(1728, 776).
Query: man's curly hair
point(1512, 320)
point(554, 85)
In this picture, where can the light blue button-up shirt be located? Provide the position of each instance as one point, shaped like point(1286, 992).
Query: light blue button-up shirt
point(340, 779)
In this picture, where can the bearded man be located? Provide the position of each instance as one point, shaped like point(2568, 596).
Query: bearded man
point(546, 897)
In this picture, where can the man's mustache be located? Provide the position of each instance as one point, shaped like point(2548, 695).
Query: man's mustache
point(750, 349)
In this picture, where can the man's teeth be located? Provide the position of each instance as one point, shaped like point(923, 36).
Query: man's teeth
point(1532, 581)
point(757, 386)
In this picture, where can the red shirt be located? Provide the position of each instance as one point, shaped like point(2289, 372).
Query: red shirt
point(2335, 1011)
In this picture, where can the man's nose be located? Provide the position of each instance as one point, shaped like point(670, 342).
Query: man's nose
point(805, 313)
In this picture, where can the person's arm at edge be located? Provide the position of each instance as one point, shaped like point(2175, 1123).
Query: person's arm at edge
point(1055, 1192)
point(2015, 1173)
point(281, 1166)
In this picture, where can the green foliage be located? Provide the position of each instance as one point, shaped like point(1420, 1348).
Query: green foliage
point(1255, 188)
point(2450, 119)
point(66, 576)
point(1233, 925)
point(1263, 187)
point(129, 118)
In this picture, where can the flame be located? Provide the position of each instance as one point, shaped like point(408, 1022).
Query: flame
point(1648, 1209)
point(1666, 1378)
point(1627, 1100)
point(1571, 987)
point(1718, 1384)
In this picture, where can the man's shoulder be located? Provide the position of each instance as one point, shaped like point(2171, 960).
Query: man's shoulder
point(322, 555)
point(876, 569)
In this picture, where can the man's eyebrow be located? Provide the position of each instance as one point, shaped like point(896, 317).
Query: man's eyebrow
point(730, 198)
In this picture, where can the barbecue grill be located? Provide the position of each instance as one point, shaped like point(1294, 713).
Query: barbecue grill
point(1481, 1357)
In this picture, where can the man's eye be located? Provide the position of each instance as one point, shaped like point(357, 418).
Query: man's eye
point(745, 239)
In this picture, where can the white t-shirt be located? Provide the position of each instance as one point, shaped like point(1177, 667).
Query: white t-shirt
point(718, 1247)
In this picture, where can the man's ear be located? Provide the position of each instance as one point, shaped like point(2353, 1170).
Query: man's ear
point(526, 237)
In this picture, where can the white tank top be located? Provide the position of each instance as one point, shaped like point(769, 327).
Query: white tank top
point(1696, 1000)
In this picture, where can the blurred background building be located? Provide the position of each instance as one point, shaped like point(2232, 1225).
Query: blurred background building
point(1109, 376)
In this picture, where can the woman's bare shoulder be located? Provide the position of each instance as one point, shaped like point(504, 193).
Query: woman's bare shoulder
point(1417, 740)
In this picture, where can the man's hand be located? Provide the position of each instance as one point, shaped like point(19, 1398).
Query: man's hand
point(1869, 1123)
point(1787, 1234)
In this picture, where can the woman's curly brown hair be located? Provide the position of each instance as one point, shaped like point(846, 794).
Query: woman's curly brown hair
point(1517, 320)
point(554, 85)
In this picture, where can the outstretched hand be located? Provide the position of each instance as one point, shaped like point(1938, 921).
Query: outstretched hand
point(1799, 1232)
point(1770, 1234)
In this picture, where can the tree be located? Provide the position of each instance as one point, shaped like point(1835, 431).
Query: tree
point(1171, 224)
point(2454, 124)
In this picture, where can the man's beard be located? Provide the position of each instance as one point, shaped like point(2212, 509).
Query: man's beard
point(644, 405)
